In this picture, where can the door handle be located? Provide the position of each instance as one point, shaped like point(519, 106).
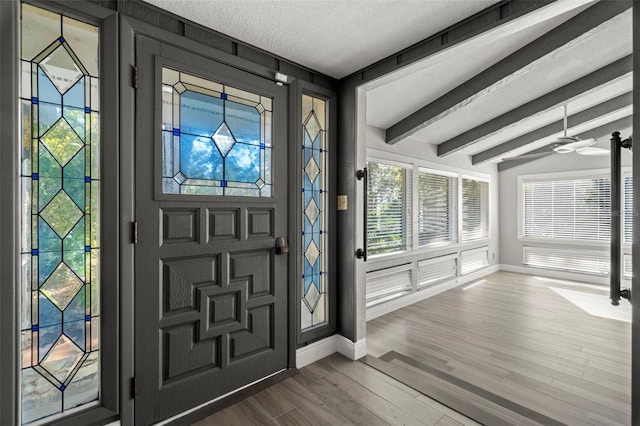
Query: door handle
point(281, 246)
point(361, 253)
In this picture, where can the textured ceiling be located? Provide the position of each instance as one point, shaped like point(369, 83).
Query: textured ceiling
point(336, 38)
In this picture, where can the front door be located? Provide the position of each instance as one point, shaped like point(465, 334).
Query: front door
point(211, 200)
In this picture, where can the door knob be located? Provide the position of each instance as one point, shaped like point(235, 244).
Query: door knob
point(281, 246)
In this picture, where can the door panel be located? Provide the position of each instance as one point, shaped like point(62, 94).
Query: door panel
point(211, 292)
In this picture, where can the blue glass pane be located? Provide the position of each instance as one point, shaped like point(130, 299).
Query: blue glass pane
point(47, 92)
point(307, 282)
point(50, 322)
point(199, 158)
point(48, 188)
point(76, 119)
point(200, 114)
point(307, 139)
point(74, 325)
point(75, 96)
point(48, 166)
point(75, 238)
point(75, 260)
point(47, 262)
point(48, 241)
point(243, 163)
point(244, 122)
point(48, 115)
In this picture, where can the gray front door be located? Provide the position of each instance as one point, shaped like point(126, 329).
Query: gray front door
point(211, 199)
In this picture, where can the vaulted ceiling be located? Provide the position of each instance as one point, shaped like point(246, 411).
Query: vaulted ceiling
point(496, 95)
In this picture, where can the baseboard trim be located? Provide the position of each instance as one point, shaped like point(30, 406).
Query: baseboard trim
point(401, 302)
point(317, 350)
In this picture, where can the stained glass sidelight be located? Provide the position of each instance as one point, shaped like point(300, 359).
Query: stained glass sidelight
point(60, 183)
point(314, 193)
point(216, 139)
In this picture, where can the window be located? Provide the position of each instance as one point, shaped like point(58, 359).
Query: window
point(567, 209)
point(475, 209)
point(436, 200)
point(387, 224)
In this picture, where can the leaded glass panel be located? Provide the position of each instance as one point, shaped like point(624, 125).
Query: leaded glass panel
point(60, 214)
point(314, 192)
point(216, 139)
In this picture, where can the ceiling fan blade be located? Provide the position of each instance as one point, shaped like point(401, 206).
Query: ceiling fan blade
point(578, 144)
point(592, 150)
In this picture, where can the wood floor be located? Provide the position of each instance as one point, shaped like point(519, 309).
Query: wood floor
point(509, 350)
point(337, 391)
point(512, 350)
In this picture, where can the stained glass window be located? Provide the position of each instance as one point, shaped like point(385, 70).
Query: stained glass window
point(60, 312)
point(216, 139)
point(314, 193)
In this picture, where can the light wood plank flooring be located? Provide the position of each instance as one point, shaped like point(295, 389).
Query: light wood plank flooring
point(512, 349)
point(337, 391)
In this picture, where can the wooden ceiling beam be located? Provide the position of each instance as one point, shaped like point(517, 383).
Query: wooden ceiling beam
point(554, 39)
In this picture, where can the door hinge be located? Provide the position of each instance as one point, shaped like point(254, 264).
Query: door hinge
point(133, 383)
point(134, 232)
point(134, 76)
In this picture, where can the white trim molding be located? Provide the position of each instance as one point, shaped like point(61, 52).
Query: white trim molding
point(317, 350)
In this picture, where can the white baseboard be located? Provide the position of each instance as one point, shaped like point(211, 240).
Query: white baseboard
point(401, 302)
point(332, 344)
point(551, 273)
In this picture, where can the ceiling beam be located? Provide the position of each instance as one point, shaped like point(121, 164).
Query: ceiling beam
point(574, 120)
point(558, 97)
point(598, 132)
point(554, 39)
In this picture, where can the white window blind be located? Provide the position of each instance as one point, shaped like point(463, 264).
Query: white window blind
point(567, 209)
point(628, 209)
point(628, 266)
point(475, 209)
point(436, 215)
point(388, 195)
point(585, 261)
point(388, 284)
point(472, 260)
point(438, 269)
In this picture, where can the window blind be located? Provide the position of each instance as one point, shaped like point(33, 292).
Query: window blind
point(569, 209)
point(628, 209)
point(388, 195)
point(628, 266)
point(436, 215)
point(475, 209)
point(585, 261)
point(388, 284)
point(438, 269)
point(472, 260)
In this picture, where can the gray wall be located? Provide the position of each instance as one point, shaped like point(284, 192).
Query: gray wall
point(510, 247)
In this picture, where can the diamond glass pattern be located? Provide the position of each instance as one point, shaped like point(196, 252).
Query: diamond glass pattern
point(314, 193)
point(60, 221)
point(61, 214)
point(216, 138)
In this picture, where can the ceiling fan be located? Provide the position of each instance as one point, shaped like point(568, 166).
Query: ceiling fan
point(565, 144)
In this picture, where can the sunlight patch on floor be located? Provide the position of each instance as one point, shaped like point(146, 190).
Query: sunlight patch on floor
point(597, 304)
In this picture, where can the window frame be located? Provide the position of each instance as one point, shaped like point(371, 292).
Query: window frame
point(454, 208)
point(111, 404)
point(556, 176)
point(407, 208)
point(487, 213)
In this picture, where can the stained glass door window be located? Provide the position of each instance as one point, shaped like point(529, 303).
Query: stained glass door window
point(216, 138)
point(60, 312)
point(314, 231)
